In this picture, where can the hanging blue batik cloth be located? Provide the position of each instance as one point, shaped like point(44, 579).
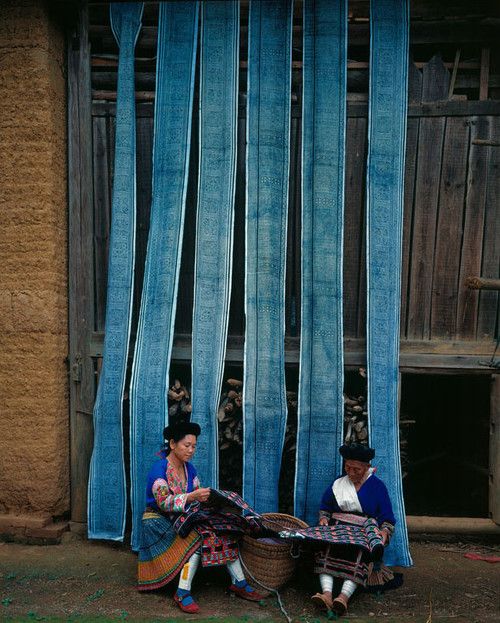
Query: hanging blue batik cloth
point(219, 59)
point(385, 176)
point(320, 405)
point(268, 132)
point(175, 71)
point(107, 512)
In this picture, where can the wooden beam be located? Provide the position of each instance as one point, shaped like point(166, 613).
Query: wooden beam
point(451, 525)
point(81, 310)
point(494, 462)
point(482, 283)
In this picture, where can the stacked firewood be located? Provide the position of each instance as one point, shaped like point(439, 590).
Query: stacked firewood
point(355, 419)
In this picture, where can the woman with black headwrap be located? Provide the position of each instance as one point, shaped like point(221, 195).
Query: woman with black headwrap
point(359, 493)
point(172, 487)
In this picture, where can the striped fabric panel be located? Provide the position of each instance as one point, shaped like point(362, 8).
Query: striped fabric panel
point(385, 177)
point(320, 406)
point(175, 72)
point(219, 58)
point(268, 141)
point(107, 495)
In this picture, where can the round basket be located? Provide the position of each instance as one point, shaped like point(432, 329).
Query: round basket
point(271, 564)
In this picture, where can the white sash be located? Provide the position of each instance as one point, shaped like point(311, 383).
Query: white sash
point(346, 495)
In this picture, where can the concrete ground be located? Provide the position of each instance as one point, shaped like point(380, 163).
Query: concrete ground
point(87, 581)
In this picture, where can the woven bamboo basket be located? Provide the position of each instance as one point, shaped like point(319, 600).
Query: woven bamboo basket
point(271, 564)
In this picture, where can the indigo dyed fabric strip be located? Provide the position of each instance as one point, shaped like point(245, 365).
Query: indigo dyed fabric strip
point(175, 71)
point(107, 495)
point(268, 140)
point(320, 405)
point(385, 176)
point(219, 57)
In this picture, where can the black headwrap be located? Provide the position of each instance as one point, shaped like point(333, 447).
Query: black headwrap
point(357, 452)
point(179, 430)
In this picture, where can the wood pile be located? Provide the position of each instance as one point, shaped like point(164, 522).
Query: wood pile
point(230, 428)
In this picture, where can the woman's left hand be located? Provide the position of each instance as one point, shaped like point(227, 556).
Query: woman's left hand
point(384, 535)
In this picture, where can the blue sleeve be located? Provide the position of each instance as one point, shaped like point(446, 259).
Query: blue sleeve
point(384, 510)
point(328, 502)
point(157, 470)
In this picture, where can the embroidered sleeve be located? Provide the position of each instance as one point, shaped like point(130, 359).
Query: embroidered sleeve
point(389, 527)
point(165, 500)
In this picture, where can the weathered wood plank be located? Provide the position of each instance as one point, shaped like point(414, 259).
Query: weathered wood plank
point(475, 198)
point(236, 309)
point(449, 229)
point(412, 133)
point(354, 226)
point(102, 215)
point(354, 109)
point(144, 151)
point(81, 278)
point(494, 454)
point(294, 208)
point(488, 323)
point(431, 135)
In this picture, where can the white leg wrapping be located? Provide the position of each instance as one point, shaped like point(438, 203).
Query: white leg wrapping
point(188, 571)
point(348, 588)
point(235, 570)
point(326, 581)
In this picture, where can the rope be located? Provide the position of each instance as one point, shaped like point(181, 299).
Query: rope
point(267, 588)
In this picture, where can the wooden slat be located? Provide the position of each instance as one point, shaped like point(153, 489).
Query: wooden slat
point(431, 134)
point(354, 109)
point(81, 278)
point(412, 133)
point(236, 314)
point(355, 170)
point(449, 229)
point(484, 74)
point(494, 454)
point(144, 142)
point(488, 319)
point(470, 264)
point(102, 215)
point(292, 260)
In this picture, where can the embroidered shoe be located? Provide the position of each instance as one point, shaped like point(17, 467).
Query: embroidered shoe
point(186, 602)
point(245, 591)
point(339, 605)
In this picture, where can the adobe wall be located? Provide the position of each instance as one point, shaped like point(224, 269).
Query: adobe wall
point(34, 421)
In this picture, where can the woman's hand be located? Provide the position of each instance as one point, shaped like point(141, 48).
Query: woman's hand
point(198, 495)
point(384, 535)
point(323, 521)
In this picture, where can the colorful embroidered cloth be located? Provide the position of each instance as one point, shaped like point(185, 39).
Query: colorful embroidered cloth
point(346, 530)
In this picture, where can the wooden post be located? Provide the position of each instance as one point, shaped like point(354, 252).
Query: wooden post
point(81, 278)
point(494, 462)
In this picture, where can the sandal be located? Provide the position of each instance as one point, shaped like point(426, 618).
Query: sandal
point(246, 592)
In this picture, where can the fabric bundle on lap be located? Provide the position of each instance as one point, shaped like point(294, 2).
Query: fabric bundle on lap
point(268, 139)
point(385, 177)
point(107, 513)
point(320, 407)
point(177, 35)
point(214, 230)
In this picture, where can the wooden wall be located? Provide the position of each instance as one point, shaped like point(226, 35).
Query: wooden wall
point(451, 220)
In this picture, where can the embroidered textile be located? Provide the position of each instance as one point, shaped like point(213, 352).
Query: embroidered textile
point(320, 414)
point(175, 74)
point(268, 149)
point(219, 65)
point(385, 180)
point(107, 514)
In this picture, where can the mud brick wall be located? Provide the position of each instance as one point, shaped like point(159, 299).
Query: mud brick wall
point(34, 427)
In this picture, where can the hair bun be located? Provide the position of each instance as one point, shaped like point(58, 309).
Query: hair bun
point(179, 430)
